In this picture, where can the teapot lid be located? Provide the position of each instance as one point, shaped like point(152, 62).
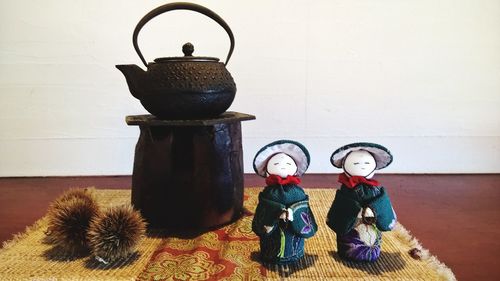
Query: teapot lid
point(188, 50)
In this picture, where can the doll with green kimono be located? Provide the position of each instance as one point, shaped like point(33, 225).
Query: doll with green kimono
point(283, 218)
point(361, 210)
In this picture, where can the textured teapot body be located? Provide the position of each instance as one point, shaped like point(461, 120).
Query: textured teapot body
point(190, 89)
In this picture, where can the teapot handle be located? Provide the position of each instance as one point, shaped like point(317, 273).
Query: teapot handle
point(181, 6)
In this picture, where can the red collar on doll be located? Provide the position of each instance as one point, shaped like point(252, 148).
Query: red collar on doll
point(351, 182)
point(274, 179)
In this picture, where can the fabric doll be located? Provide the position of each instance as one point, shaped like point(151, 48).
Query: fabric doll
point(283, 218)
point(361, 209)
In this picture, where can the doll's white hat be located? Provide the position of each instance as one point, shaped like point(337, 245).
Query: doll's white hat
point(382, 155)
point(296, 150)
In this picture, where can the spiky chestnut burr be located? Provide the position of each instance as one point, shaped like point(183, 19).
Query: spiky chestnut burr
point(115, 233)
point(86, 194)
point(69, 219)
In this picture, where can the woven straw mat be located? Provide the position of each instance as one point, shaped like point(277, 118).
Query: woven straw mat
point(229, 253)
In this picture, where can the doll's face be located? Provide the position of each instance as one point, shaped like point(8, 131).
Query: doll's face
point(360, 163)
point(281, 165)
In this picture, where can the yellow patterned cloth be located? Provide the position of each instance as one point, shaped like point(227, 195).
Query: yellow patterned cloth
point(224, 254)
point(228, 253)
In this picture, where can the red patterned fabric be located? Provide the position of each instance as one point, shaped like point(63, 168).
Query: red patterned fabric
point(227, 253)
point(274, 179)
point(351, 182)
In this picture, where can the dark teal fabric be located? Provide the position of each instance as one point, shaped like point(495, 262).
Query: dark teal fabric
point(342, 215)
point(272, 201)
point(284, 194)
point(384, 213)
point(348, 202)
point(267, 213)
point(270, 246)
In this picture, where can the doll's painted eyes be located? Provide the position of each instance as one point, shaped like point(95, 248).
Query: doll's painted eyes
point(356, 163)
point(277, 163)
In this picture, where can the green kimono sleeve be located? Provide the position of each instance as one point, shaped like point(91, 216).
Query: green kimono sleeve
point(384, 213)
point(303, 224)
point(267, 213)
point(343, 213)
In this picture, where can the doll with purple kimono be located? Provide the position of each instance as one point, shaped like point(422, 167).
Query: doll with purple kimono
point(361, 210)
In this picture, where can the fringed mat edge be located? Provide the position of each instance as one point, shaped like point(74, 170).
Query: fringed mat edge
point(22, 234)
point(444, 271)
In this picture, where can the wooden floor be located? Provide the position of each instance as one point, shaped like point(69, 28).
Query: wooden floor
point(457, 217)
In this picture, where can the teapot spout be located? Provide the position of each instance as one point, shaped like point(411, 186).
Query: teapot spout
point(135, 77)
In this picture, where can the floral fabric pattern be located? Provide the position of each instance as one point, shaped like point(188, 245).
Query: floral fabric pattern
point(307, 221)
point(222, 254)
point(195, 266)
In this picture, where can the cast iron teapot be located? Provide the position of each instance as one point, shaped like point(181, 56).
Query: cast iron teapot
point(187, 87)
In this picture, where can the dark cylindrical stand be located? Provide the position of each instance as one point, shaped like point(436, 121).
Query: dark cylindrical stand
point(188, 174)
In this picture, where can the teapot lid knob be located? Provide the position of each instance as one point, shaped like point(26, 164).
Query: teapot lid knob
point(188, 49)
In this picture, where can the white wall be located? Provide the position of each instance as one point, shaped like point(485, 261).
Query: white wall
point(421, 77)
